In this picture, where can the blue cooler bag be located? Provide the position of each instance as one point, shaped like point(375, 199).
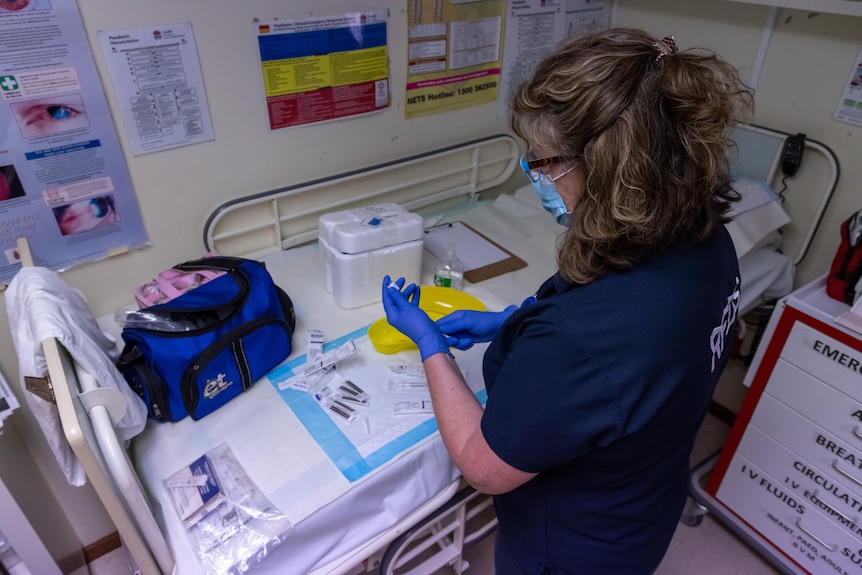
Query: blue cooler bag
point(193, 354)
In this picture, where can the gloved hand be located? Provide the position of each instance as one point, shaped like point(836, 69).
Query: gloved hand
point(403, 313)
point(463, 328)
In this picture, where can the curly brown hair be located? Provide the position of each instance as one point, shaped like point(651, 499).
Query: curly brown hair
point(651, 134)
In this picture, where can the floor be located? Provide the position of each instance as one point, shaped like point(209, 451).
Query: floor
point(113, 563)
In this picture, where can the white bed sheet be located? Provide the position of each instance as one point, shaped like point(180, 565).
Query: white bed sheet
point(331, 516)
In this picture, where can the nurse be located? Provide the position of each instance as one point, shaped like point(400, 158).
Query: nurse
point(598, 384)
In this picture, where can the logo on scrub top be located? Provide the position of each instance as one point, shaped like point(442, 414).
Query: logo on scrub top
point(216, 386)
point(728, 321)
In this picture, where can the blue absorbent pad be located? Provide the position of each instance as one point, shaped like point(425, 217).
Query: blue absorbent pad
point(374, 433)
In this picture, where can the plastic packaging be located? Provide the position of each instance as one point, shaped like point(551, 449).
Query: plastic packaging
point(167, 321)
point(450, 270)
point(230, 523)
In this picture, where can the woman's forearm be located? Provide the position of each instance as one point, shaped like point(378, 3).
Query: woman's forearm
point(459, 417)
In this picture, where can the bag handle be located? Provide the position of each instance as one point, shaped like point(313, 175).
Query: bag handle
point(220, 263)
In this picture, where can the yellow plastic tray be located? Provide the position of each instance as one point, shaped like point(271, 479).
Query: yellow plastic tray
point(436, 301)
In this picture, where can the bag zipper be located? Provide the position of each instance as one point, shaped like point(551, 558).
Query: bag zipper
point(155, 390)
point(160, 405)
point(236, 303)
point(190, 391)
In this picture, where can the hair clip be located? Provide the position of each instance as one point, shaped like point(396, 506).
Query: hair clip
point(666, 47)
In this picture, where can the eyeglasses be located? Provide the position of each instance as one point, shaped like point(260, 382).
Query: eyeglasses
point(531, 167)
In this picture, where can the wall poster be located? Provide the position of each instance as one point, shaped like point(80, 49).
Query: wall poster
point(64, 183)
point(324, 68)
point(588, 15)
point(454, 54)
point(159, 86)
point(533, 27)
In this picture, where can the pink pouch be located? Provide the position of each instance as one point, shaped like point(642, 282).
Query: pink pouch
point(171, 283)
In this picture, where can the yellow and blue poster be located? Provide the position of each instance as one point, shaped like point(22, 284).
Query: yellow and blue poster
point(324, 68)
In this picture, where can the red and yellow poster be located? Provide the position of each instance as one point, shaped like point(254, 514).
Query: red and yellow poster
point(324, 68)
point(454, 54)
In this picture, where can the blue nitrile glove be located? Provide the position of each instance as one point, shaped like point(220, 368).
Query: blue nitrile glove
point(403, 313)
point(464, 327)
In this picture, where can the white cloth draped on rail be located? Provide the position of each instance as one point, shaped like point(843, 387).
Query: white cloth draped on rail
point(41, 305)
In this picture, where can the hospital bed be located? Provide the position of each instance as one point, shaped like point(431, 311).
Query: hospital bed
point(395, 502)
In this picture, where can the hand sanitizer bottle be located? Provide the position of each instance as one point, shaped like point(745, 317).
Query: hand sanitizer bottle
point(450, 270)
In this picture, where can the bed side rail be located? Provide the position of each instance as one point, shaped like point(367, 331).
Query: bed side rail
point(87, 412)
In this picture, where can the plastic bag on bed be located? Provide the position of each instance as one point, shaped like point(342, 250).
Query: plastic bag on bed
point(230, 524)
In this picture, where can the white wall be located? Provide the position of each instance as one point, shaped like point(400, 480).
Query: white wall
point(25, 483)
point(803, 76)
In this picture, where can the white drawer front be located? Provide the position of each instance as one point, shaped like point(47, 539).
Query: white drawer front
point(825, 358)
point(787, 521)
point(814, 487)
point(833, 410)
point(812, 442)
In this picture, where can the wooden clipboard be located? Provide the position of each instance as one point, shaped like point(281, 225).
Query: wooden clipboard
point(500, 267)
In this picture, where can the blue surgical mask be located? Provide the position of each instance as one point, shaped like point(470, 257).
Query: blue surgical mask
point(552, 201)
point(545, 188)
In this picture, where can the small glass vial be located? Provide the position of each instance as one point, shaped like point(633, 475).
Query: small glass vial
point(450, 270)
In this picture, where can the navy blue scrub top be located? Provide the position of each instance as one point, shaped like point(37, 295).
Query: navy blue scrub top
point(601, 388)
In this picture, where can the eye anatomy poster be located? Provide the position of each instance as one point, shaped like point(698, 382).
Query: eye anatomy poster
point(324, 68)
point(159, 86)
point(64, 183)
point(454, 54)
